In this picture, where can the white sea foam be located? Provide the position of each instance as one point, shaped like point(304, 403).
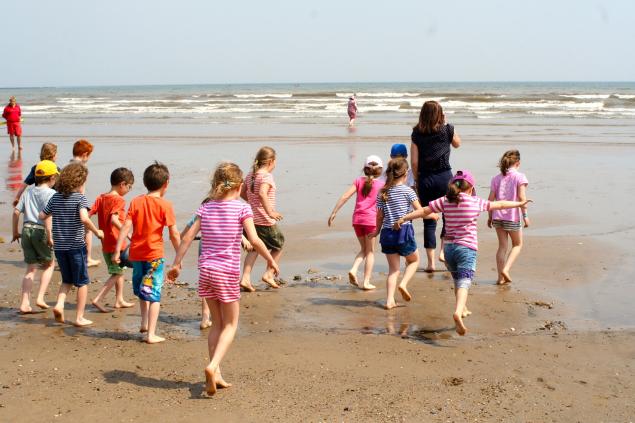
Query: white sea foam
point(586, 96)
point(285, 95)
point(625, 96)
point(389, 94)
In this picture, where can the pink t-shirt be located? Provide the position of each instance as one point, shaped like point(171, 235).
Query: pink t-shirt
point(506, 188)
point(261, 217)
point(460, 219)
point(365, 212)
point(221, 231)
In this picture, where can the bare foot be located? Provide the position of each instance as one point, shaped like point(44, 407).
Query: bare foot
point(247, 286)
point(210, 381)
point(42, 305)
point(82, 322)
point(404, 293)
point(123, 304)
point(99, 307)
point(25, 310)
point(505, 274)
point(143, 329)
point(92, 262)
point(501, 281)
point(430, 269)
point(390, 306)
point(460, 327)
point(59, 315)
point(352, 279)
point(205, 324)
point(465, 313)
point(221, 383)
point(269, 281)
point(368, 286)
point(442, 258)
point(154, 339)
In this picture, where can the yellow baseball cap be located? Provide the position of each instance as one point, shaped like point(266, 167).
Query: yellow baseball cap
point(46, 168)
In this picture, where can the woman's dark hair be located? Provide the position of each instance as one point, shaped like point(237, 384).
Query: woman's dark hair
point(396, 169)
point(431, 118)
point(72, 177)
point(372, 171)
point(510, 158)
point(455, 188)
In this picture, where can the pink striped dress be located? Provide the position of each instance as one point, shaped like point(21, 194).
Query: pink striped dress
point(219, 261)
point(460, 219)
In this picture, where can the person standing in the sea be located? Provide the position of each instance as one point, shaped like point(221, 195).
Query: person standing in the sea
point(352, 110)
point(430, 160)
point(12, 114)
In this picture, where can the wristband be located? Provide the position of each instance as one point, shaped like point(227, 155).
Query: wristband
point(525, 215)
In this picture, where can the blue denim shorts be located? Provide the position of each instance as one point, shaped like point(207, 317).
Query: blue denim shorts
point(461, 261)
point(73, 266)
point(403, 250)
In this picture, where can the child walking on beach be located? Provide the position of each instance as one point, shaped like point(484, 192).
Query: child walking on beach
point(394, 200)
point(110, 211)
point(147, 215)
point(364, 217)
point(221, 221)
point(34, 239)
point(47, 152)
point(510, 185)
point(69, 209)
point(461, 209)
point(259, 190)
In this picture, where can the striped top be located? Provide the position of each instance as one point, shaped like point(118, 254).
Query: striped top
point(400, 199)
point(68, 229)
point(261, 217)
point(221, 231)
point(460, 219)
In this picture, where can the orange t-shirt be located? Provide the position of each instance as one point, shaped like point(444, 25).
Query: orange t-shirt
point(149, 215)
point(105, 206)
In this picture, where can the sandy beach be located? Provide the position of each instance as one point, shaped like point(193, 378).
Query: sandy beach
point(556, 345)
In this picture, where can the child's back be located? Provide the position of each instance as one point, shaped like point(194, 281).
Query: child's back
point(68, 230)
point(365, 212)
point(505, 187)
point(254, 181)
point(107, 205)
point(461, 218)
point(33, 201)
point(398, 203)
point(149, 215)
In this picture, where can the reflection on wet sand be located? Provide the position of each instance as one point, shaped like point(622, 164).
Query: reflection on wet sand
point(14, 171)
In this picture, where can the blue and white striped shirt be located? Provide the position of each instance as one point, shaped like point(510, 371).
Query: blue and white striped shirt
point(400, 198)
point(68, 229)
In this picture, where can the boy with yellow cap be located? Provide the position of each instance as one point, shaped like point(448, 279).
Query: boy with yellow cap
point(37, 251)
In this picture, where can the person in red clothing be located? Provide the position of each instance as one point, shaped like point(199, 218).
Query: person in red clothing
point(12, 114)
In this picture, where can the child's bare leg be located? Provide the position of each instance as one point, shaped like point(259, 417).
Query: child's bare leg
point(153, 317)
point(412, 261)
point(143, 310)
point(501, 253)
point(45, 279)
point(102, 292)
point(352, 274)
point(369, 261)
point(120, 302)
point(431, 267)
point(27, 287)
point(461, 300)
point(245, 280)
point(391, 280)
point(442, 252)
point(228, 314)
point(82, 296)
point(206, 319)
point(91, 262)
point(517, 245)
point(267, 277)
point(58, 310)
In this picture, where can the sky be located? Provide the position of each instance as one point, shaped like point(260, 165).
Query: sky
point(131, 42)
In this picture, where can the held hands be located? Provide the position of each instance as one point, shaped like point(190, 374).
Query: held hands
point(100, 234)
point(397, 225)
point(116, 257)
point(275, 215)
point(174, 273)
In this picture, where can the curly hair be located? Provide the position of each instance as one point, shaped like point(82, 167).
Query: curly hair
point(227, 177)
point(72, 177)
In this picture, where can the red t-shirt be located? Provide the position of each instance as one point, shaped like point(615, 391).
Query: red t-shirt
point(105, 206)
point(12, 114)
point(149, 215)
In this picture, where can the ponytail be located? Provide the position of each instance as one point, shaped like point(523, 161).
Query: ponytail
point(510, 158)
point(372, 172)
point(396, 169)
point(455, 189)
point(264, 156)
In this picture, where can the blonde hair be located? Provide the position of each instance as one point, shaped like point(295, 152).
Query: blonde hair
point(227, 177)
point(263, 158)
point(72, 177)
point(510, 158)
point(397, 168)
point(48, 151)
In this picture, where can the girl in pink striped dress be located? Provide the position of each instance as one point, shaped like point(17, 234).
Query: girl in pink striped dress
point(461, 208)
point(221, 221)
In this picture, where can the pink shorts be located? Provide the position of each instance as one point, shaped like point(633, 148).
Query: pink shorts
point(14, 128)
point(218, 285)
point(363, 230)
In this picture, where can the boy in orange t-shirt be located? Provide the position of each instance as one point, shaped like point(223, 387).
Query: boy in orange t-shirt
point(148, 214)
point(111, 213)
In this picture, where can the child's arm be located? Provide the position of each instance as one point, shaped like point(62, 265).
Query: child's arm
point(18, 194)
point(48, 227)
point(123, 233)
point(175, 237)
point(244, 242)
point(88, 224)
point(422, 212)
point(114, 221)
point(343, 199)
point(378, 222)
point(414, 161)
point(243, 191)
point(259, 246)
point(264, 199)
point(185, 241)
point(16, 221)
point(498, 205)
point(522, 196)
point(416, 205)
point(491, 198)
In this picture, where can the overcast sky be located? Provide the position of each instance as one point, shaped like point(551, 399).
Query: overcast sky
point(122, 42)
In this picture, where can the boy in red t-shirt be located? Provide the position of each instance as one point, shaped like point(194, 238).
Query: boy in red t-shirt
point(148, 214)
point(111, 213)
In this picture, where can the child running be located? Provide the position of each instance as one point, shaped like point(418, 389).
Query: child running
point(34, 239)
point(364, 217)
point(147, 215)
point(110, 211)
point(510, 185)
point(69, 209)
point(259, 190)
point(393, 201)
point(461, 209)
point(221, 221)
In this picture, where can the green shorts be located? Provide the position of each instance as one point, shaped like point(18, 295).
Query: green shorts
point(34, 245)
point(271, 236)
point(113, 268)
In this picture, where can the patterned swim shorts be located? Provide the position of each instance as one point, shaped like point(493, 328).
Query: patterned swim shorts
point(147, 279)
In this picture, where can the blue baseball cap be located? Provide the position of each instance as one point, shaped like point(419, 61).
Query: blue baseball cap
point(399, 150)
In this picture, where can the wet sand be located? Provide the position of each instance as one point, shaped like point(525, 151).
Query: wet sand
point(557, 345)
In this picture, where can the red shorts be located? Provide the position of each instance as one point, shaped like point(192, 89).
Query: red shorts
point(218, 285)
point(363, 230)
point(14, 128)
